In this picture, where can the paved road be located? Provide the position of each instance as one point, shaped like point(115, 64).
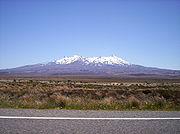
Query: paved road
point(39, 126)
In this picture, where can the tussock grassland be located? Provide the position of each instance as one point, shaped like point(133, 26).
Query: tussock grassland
point(53, 94)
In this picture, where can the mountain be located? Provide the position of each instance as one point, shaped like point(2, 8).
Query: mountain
point(97, 61)
point(78, 65)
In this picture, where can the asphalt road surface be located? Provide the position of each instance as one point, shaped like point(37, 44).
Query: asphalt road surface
point(75, 122)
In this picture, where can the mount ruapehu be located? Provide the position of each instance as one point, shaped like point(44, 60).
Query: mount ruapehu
point(78, 65)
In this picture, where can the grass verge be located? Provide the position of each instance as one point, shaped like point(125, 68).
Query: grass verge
point(90, 105)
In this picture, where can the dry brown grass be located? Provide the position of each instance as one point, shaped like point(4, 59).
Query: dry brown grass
point(135, 102)
point(48, 95)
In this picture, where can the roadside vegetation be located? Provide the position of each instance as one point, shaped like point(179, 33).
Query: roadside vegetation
point(54, 94)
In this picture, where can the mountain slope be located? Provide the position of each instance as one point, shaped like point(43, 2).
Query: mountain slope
point(78, 65)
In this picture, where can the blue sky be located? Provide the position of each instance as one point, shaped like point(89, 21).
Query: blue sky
point(145, 32)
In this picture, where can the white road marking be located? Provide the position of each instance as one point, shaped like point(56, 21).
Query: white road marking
point(81, 118)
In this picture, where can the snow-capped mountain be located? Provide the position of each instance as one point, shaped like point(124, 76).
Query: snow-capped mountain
point(111, 60)
point(78, 65)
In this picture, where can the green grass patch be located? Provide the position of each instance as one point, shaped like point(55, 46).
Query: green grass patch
point(4, 103)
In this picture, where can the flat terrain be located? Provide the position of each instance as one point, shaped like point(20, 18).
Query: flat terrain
point(95, 78)
point(89, 95)
point(38, 126)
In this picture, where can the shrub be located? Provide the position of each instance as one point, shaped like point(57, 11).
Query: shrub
point(134, 102)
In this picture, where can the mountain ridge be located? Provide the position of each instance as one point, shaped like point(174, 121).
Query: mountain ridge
point(78, 65)
point(111, 60)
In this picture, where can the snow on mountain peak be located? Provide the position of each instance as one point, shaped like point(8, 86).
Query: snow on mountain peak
point(68, 60)
point(111, 60)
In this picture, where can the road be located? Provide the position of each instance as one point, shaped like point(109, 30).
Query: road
point(116, 124)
